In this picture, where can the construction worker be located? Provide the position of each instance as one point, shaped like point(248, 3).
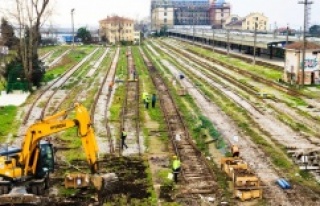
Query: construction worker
point(110, 86)
point(147, 102)
point(134, 74)
point(153, 100)
point(144, 95)
point(123, 138)
point(176, 167)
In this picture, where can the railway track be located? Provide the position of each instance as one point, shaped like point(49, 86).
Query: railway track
point(46, 55)
point(258, 78)
point(257, 114)
point(40, 104)
point(130, 112)
point(56, 60)
point(198, 178)
point(99, 109)
point(277, 104)
point(262, 118)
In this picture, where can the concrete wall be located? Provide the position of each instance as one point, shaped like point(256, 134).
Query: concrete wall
point(293, 70)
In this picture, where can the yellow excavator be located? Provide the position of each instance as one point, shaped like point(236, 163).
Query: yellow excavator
point(27, 168)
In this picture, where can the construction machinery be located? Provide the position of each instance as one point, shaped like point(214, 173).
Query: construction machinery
point(25, 170)
point(245, 184)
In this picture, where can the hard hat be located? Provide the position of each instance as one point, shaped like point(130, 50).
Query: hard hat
point(174, 157)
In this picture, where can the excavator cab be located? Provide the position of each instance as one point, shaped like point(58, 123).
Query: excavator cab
point(24, 172)
point(45, 163)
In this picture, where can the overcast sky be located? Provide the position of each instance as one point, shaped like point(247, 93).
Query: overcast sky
point(89, 12)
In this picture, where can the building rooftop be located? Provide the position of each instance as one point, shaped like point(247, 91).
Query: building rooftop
point(237, 22)
point(299, 46)
point(115, 18)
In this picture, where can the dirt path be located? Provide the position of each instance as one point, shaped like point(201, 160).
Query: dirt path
point(131, 113)
point(102, 107)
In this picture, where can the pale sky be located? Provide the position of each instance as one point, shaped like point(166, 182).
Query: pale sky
point(89, 12)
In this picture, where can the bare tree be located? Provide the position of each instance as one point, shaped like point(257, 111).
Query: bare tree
point(29, 16)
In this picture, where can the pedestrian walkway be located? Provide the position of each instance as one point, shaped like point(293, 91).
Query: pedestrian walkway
point(17, 98)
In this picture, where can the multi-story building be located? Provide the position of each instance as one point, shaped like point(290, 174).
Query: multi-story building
point(218, 12)
point(250, 23)
point(192, 12)
point(167, 13)
point(115, 29)
point(161, 15)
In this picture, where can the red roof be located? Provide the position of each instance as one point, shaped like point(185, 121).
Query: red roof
point(299, 46)
point(116, 18)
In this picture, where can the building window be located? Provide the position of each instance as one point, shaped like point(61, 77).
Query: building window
point(165, 13)
point(165, 20)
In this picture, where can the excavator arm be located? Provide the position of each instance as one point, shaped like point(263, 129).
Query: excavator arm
point(54, 124)
point(31, 164)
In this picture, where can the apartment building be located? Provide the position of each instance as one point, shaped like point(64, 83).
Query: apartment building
point(115, 29)
point(167, 13)
point(249, 23)
point(218, 12)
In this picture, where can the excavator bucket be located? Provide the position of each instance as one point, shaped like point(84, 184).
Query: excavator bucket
point(104, 181)
point(19, 196)
point(82, 180)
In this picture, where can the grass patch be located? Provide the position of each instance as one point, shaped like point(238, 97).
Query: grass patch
point(121, 73)
point(66, 63)
point(146, 85)
point(8, 122)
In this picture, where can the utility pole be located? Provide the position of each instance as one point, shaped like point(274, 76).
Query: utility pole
point(203, 41)
point(72, 22)
point(254, 43)
point(228, 42)
point(285, 56)
point(213, 40)
point(275, 30)
point(306, 3)
point(300, 32)
point(241, 41)
point(287, 38)
point(193, 26)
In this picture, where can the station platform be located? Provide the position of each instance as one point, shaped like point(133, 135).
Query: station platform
point(262, 58)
